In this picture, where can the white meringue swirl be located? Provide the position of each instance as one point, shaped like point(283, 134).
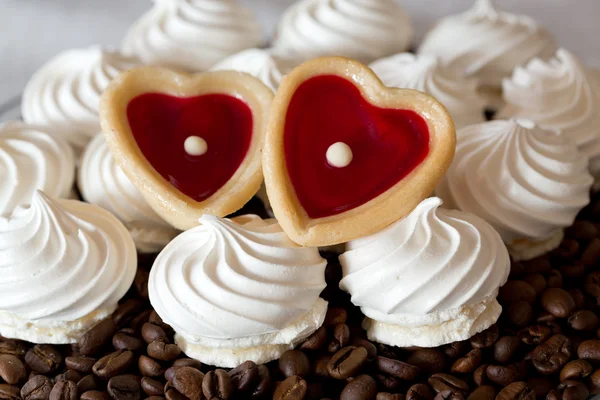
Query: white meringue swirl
point(425, 73)
point(527, 182)
point(64, 94)
point(64, 265)
point(192, 35)
point(486, 43)
point(103, 183)
point(257, 62)
point(31, 159)
point(362, 29)
point(428, 279)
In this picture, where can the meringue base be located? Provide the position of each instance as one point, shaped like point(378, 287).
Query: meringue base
point(469, 321)
point(523, 250)
point(229, 353)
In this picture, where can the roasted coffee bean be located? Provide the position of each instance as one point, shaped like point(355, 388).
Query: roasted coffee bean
point(188, 362)
point(537, 282)
point(125, 339)
point(14, 347)
point(187, 381)
point(94, 339)
point(362, 387)
point(430, 361)
point(480, 375)
point(591, 254)
point(468, 363)
point(263, 383)
point(294, 362)
point(581, 230)
point(589, 350)
point(519, 313)
point(390, 396)
point(367, 345)
point(244, 376)
point(557, 302)
point(155, 398)
point(535, 334)
point(387, 382)
point(503, 375)
point(486, 338)
point(163, 351)
point(152, 387)
point(320, 366)
point(113, 364)
point(592, 284)
point(397, 368)
point(128, 310)
point(595, 382)
point(554, 279)
point(575, 270)
point(484, 392)
point(43, 358)
point(316, 341)
point(516, 391)
point(217, 385)
point(153, 333)
point(538, 265)
point(443, 382)
point(552, 355)
point(541, 386)
point(124, 387)
point(37, 388)
point(341, 337)
point(88, 382)
point(505, 348)
point(69, 375)
point(80, 364)
point(293, 388)
point(574, 390)
point(94, 395)
point(583, 320)
point(554, 395)
point(449, 395)
point(514, 291)
point(9, 392)
point(12, 369)
point(566, 251)
point(456, 349)
point(140, 282)
point(150, 367)
point(347, 362)
point(419, 391)
point(64, 390)
point(578, 297)
point(576, 369)
point(335, 316)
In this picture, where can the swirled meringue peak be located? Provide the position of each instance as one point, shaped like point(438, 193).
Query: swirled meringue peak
point(64, 94)
point(426, 74)
point(192, 35)
point(102, 182)
point(259, 63)
point(237, 290)
point(64, 265)
point(486, 43)
point(429, 279)
point(527, 182)
point(361, 29)
point(32, 159)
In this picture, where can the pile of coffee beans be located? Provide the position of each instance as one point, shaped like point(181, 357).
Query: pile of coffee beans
point(546, 345)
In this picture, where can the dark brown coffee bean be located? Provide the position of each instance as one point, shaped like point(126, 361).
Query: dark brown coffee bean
point(94, 339)
point(516, 391)
point(64, 390)
point(595, 382)
point(584, 320)
point(574, 390)
point(519, 313)
point(484, 392)
point(87, 383)
point(14, 347)
point(578, 297)
point(94, 395)
point(140, 283)
point(429, 361)
point(390, 396)
point(514, 291)
point(362, 387)
point(150, 367)
point(125, 339)
point(37, 388)
point(456, 349)
point(480, 375)
point(347, 362)
point(9, 392)
point(386, 382)
point(263, 384)
point(12, 369)
point(554, 279)
point(152, 387)
point(591, 254)
point(574, 270)
point(505, 348)
point(316, 341)
point(541, 386)
point(153, 333)
point(294, 362)
point(244, 376)
point(589, 350)
point(188, 362)
point(576, 369)
point(535, 334)
point(163, 351)
point(217, 385)
point(537, 282)
point(69, 375)
point(127, 310)
point(552, 355)
point(293, 388)
point(449, 395)
point(419, 391)
point(320, 366)
point(502, 375)
point(335, 316)
point(367, 345)
point(187, 381)
point(113, 364)
point(397, 368)
point(557, 302)
point(443, 382)
point(43, 358)
point(581, 230)
point(468, 363)
point(124, 387)
point(80, 364)
point(592, 284)
point(567, 250)
point(486, 338)
point(341, 337)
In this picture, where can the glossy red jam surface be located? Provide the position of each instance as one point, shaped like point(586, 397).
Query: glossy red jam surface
point(161, 123)
point(387, 144)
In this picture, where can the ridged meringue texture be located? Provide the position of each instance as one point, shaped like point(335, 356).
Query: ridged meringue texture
point(192, 35)
point(361, 29)
point(527, 182)
point(64, 95)
point(259, 63)
point(32, 159)
point(64, 265)
point(237, 290)
point(426, 74)
point(103, 183)
point(429, 279)
point(486, 43)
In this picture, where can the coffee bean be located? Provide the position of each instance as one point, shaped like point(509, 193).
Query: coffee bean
point(362, 387)
point(419, 392)
point(592, 284)
point(64, 390)
point(127, 310)
point(87, 383)
point(429, 361)
point(552, 355)
point(557, 302)
point(576, 369)
point(589, 350)
point(153, 333)
point(389, 396)
point(591, 254)
point(554, 279)
point(537, 265)
point(516, 391)
point(94, 339)
point(217, 385)
point(80, 364)
point(519, 313)
point(505, 348)
point(554, 395)
point(187, 381)
point(37, 388)
point(541, 386)
point(125, 339)
point(368, 346)
point(9, 392)
point(263, 383)
point(502, 375)
point(12, 369)
point(537, 282)
point(468, 363)
point(163, 351)
point(188, 362)
point(293, 388)
point(244, 376)
point(581, 230)
point(514, 291)
point(113, 364)
point(150, 367)
point(484, 392)
point(43, 358)
point(595, 382)
point(578, 297)
point(335, 316)
point(456, 349)
point(294, 362)
point(140, 282)
point(124, 387)
point(449, 395)
point(574, 390)
point(315, 341)
point(347, 362)
point(341, 337)
point(443, 382)
point(94, 395)
point(480, 375)
point(13, 347)
point(69, 375)
point(386, 382)
point(584, 320)
point(152, 387)
point(535, 334)
point(155, 398)
point(486, 338)
point(397, 368)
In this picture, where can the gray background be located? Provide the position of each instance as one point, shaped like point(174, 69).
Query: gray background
point(32, 31)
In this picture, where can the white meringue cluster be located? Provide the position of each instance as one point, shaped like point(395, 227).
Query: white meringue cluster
point(260, 63)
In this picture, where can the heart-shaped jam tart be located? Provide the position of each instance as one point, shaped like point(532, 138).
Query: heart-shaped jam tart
point(191, 144)
point(346, 156)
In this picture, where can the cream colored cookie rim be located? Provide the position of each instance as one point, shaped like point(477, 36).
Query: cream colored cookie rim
point(172, 205)
point(387, 208)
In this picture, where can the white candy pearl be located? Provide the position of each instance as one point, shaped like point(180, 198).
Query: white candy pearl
point(339, 155)
point(195, 146)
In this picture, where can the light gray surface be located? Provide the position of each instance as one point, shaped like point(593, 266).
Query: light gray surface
point(35, 30)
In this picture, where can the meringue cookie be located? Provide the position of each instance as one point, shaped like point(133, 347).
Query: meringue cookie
point(257, 62)
point(239, 289)
point(527, 182)
point(192, 35)
point(486, 43)
point(425, 73)
point(64, 265)
point(361, 29)
point(64, 94)
point(102, 182)
point(429, 279)
point(32, 159)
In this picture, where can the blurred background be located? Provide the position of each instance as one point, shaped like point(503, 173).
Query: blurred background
point(33, 31)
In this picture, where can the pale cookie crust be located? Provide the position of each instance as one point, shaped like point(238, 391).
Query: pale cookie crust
point(387, 208)
point(180, 210)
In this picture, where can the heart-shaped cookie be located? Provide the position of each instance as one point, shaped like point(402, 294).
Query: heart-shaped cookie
point(191, 143)
point(346, 156)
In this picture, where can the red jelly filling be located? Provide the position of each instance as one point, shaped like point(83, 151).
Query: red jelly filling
point(387, 144)
point(161, 123)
